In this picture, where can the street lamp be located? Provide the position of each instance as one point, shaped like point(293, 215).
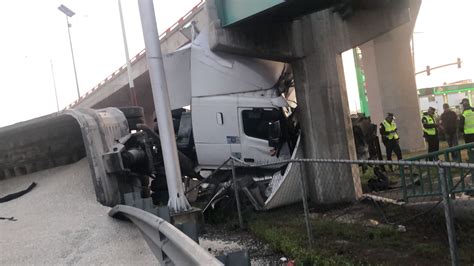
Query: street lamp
point(133, 96)
point(69, 13)
point(54, 84)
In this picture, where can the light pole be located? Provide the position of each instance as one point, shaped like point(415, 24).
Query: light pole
point(133, 96)
point(54, 83)
point(69, 13)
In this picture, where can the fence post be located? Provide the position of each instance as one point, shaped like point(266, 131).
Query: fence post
point(237, 198)
point(305, 206)
point(403, 183)
point(448, 215)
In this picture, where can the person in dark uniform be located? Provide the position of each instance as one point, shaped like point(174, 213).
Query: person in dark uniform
point(390, 138)
point(466, 121)
point(449, 124)
point(430, 130)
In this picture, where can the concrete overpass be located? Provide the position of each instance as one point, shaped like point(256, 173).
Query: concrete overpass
point(311, 39)
point(114, 90)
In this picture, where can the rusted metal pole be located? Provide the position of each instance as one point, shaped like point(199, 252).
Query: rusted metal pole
point(236, 193)
point(448, 215)
point(304, 198)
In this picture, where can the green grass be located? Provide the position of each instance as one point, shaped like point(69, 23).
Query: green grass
point(364, 177)
point(338, 243)
point(291, 240)
point(335, 243)
point(428, 250)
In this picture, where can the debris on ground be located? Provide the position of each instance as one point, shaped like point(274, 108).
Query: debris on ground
point(17, 194)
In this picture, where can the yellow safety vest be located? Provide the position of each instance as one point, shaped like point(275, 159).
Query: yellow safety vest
point(390, 128)
point(429, 121)
point(468, 121)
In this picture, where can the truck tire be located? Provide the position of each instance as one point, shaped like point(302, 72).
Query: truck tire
point(132, 122)
point(134, 114)
point(132, 111)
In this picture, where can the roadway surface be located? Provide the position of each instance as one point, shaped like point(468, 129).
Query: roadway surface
point(60, 222)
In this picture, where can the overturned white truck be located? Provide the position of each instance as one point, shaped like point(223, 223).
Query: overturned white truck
point(223, 105)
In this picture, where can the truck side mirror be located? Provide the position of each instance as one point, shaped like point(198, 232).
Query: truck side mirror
point(274, 133)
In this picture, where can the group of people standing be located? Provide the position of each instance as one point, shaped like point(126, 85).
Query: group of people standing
point(449, 123)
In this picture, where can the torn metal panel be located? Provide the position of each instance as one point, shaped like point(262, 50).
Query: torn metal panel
point(285, 189)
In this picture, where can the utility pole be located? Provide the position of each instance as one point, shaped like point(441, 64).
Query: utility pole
point(69, 13)
point(54, 84)
point(133, 96)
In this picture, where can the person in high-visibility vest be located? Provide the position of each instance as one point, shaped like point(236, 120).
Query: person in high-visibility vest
point(430, 130)
point(466, 121)
point(388, 131)
point(466, 125)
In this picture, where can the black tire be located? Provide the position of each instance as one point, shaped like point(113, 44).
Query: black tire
point(187, 166)
point(132, 122)
point(132, 111)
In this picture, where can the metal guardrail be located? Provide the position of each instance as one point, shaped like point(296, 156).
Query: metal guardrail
point(168, 243)
point(424, 180)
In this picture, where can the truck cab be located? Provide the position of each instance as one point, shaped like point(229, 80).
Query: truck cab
point(237, 105)
point(237, 125)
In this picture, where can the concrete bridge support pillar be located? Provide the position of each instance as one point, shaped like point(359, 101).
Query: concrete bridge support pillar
point(324, 112)
point(391, 85)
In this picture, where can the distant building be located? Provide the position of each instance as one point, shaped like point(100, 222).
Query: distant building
point(450, 94)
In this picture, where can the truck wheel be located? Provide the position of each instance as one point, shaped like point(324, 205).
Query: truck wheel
point(132, 111)
point(132, 122)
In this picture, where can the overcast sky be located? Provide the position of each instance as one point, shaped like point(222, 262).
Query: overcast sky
point(35, 33)
point(444, 31)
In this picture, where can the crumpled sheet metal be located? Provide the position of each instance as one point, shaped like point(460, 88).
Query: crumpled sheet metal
point(285, 189)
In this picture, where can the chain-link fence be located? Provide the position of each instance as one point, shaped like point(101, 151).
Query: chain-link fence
point(415, 182)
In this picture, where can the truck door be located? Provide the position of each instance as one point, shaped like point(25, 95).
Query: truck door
point(254, 129)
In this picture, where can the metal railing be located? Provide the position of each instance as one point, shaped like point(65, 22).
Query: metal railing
point(184, 20)
point(424, 180)
point(169, 245)
point(444, 175)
